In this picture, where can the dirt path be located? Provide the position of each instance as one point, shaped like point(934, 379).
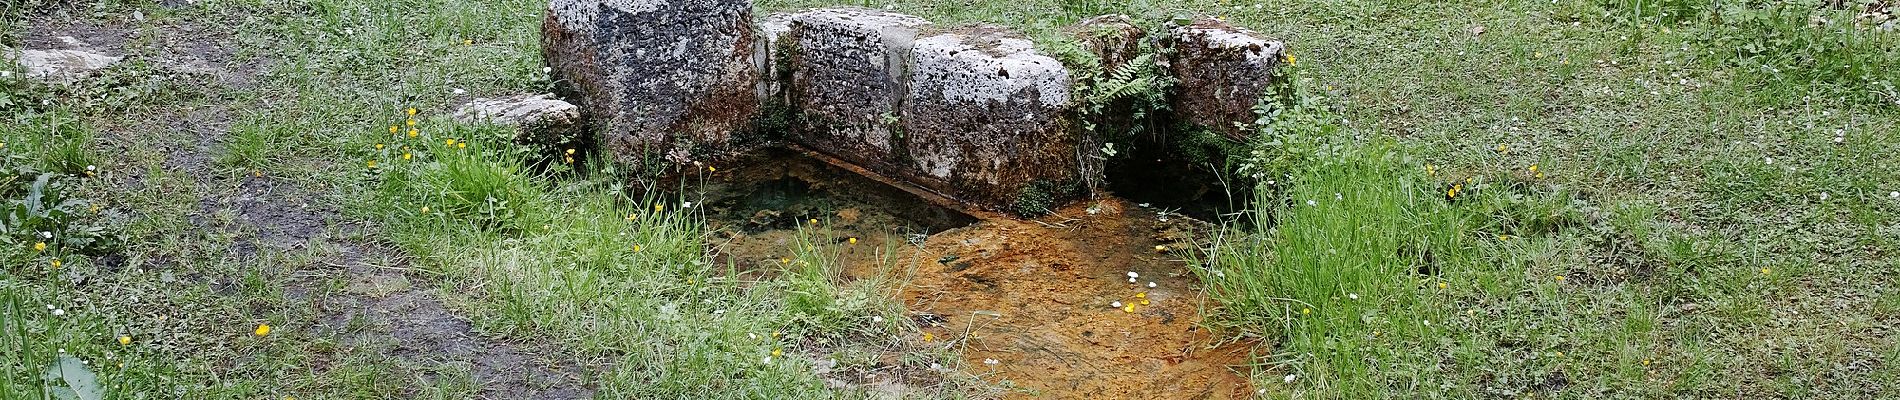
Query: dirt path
point(365, 297)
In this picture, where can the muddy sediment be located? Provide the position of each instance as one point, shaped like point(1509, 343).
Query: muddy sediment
point(1030, 304)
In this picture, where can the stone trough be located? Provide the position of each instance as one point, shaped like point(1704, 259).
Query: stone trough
point(972, 114)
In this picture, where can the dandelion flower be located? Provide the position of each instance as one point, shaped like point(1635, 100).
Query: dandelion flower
point(379, 146)
point(1128, 308)
point(1560, 278)
point(412, 122)
point(1292, 60)
point(1306, 311)
point(710, 168)
point(411, 111)
point(1141, 295)
point(852, 240)
point(1765, 271)
point(372, 164)
point(1533, 168)
point(56, 263)
point(414, 133)
point(449, 142)
point(462, 145)
point(405, 156)
point(659, 207)
point(1431, 170)
point(777, 352)
point(1442, 285)
point(813, 221)
point(40, 246)
point(125, 340)
point(570, 152)
point(394, 129)
point(262, 329)
point(636, 248)
point(784, 260)
point(928, 337)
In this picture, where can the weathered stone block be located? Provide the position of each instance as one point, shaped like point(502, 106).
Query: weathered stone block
point(670, 78)
point(1113, 39)
point(988, 120)
point(847, 70)
point(59, 66)
point(1223, 71)
point(538, 119)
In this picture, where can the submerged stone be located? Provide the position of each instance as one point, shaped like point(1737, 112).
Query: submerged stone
point(1223, 71)
point(672, 79)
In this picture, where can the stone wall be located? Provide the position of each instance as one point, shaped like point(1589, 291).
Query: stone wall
point(974, 114)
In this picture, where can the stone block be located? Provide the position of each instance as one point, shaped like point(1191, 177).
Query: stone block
point(674, 79)
point(1223, 71)
point(988, 120)
point(847, 70)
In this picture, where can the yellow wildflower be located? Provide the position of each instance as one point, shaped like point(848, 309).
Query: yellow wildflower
point(372, 164)
point(783, 260)
point(813, 221)
point(467, 42)
point(394, 129)
point(379, 146)
point(1306, 311)
point(637, 248)
point(462, 145)
point(1431, 170)
point(1764, 271)
point(405, 156)
point(1504, 238)
point(56, 263)
point(1560, 278)
point(449, 142)
point(413, 132)
point(928, 337)
point(425, 209)
point(1141, 295)
point(1533, 168)
point(1128, 308)
point(631, 217)
point(659, 207)
point(852, 240)
point(125, 340)
point(1160, 248)
point(412, 122)
point(710, 168)
point(777, 352)
point(1502, 149)
point(1144, 302)
point(1645, 362)
point(1292, 60)
point(1442, 285)
point(411, 111)
point(262, 329)
point(41, 246)
point(570, 152)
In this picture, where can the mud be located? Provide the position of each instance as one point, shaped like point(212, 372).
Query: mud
point(1028, 302)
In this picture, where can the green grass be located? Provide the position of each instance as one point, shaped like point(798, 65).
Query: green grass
point(1715, 197)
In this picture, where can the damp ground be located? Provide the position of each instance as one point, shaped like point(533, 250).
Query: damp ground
point(1043, 307)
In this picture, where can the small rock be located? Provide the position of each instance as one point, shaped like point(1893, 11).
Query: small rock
point(541, 119)
point(61, 66)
